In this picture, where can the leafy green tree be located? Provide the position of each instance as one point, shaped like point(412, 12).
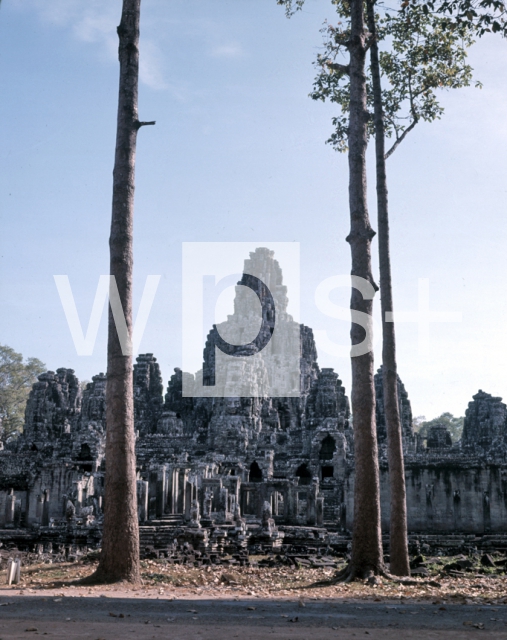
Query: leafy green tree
point(398, 541)
point(16, 380)
point(483, 16)
point(453, 424)
point(367, 554)
point(421, 57)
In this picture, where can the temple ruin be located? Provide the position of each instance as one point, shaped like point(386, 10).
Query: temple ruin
point(241, 472)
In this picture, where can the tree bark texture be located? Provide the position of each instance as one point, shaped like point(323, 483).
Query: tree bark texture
point(367, 553)
point(119, 558)
point(399, 562)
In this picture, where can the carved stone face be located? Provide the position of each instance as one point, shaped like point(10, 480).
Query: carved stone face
point(232, 405)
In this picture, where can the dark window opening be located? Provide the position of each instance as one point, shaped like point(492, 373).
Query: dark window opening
point(85, 452)
point(255, 472)
point(304, 474)
point(327, 472)
point(327, 448)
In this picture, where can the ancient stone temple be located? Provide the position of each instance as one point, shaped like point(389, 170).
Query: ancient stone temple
point(255, 470)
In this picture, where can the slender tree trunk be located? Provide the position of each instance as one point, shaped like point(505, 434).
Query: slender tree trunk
point(399, 563)
point(119, 559)
point(367, 553)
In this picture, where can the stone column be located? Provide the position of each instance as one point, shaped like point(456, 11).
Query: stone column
point(175, 490)
point(222, 508)
point(45, 509)
point(142, 500)
point(319, 511)
point(17, 514)
point(10, 507)
point(310, 508)
point(188, 499)
point(161, 491)
point(269, 458)
point(78, 492)
point(292, 503)
point(39, 507)
point(182, 492)
point(311, 501)
point(274, 503)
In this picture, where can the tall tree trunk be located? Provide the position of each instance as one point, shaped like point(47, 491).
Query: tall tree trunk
point(399, 562)
point(367, 553)
point(119, 559)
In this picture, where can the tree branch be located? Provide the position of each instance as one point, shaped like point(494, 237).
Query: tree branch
point(139, 124)
point(344, 69)
point(401, 138)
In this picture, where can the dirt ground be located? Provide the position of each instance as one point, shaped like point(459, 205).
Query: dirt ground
point(218, 603)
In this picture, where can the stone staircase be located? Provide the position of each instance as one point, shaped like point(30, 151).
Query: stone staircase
point(161, 532)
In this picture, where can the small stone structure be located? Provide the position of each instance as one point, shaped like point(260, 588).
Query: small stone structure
point(238, 470)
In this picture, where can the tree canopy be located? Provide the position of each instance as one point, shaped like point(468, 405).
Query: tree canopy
point(421, 56)
point(455, 425)
point(16, 380)
point(483, 16)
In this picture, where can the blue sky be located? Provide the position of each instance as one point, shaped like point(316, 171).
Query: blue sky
point(238, 154)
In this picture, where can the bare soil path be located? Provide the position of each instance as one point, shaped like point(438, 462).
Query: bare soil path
point(112, 615)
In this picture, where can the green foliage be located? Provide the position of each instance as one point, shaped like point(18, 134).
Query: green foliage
point(421, 56)
point(455, 425)
point(16, 379)
point(291, 6)
point(483, 16)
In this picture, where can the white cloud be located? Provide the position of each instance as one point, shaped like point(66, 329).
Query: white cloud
point(95, 22)
point(230, 50)
point(151, 65)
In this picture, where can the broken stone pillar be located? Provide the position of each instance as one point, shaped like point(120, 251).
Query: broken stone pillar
point(13, 571)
